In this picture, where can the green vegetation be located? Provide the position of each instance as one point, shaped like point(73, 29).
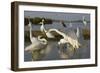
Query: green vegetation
point(36, 55)
point(86, 34)
point(37, 20)
point(26, 37)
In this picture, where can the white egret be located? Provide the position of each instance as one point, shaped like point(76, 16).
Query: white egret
point(71, 38)
point(37, 43)
point(75, 36)
point(48, 33)
point(84, 21)
point(62, 41)
point(78, 32)
point(68, 44)
point(70, 27)
point(30, 30)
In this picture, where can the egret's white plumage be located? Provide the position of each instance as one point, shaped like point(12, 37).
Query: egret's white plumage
point(48, 33)
point(37, 42)
point(71, 38)
point(84, 21)
point(32, 39)
point(78, 32)
point(62, 41)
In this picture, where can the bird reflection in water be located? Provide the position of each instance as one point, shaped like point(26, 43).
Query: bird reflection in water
point(66, 51)
point(40, 54)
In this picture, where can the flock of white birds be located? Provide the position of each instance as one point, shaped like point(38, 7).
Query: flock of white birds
point(39, 42)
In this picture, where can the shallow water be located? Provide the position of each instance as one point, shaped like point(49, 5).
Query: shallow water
point(52, 52)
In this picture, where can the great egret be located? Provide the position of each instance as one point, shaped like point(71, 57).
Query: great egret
point(71, 38)
point(78, 32)
point(84, 21)
point(37, 43)
point(32, 39)
point(70, 26)
point(68, 44)
point(48, 33)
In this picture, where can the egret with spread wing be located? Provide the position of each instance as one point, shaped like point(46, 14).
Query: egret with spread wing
point(70, 38)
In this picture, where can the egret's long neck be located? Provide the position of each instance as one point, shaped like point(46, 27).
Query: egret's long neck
point(84, 21)
point(78, 33)
point(44, 41)
point(61, 33)
point(31, 32)
point(44, 28)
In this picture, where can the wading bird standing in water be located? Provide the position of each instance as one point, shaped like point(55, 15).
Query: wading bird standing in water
point(71, 38)
point(37, 42)
point(78, 32)
point(84, 21)
point(48, 33)
point(70, 42)
point(68, 38)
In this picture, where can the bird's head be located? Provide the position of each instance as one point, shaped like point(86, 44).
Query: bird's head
point(29, 24)
point(29, 20)
point(42, 21)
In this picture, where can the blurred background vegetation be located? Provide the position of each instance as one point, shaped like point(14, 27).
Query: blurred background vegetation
point(37, 20)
